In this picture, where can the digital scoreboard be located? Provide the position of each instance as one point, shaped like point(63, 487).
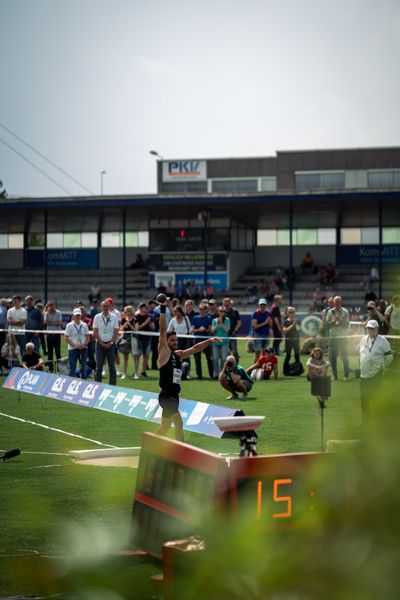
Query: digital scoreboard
point(178, 485)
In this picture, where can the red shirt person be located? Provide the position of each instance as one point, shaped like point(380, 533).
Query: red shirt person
point(265, 366)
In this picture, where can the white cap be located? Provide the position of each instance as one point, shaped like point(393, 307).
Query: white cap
point(372, 324)
point(77, 311)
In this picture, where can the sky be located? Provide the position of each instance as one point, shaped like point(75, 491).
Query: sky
point(94, 85)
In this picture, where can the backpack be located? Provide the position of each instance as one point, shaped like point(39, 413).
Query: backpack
point(294, 370)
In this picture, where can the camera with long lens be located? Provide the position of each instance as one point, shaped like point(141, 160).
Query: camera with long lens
point(229, 364)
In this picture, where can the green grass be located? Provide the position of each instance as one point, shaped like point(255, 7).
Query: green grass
point(45, 497)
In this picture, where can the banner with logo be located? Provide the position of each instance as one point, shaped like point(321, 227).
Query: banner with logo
point(368, 254)
point(197, 416)
point(181, 262)
point(81, 258)
point(184, 170)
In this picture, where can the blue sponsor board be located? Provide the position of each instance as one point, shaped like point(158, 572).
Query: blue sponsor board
point(80, 258)
point(196, 416)
point(368, 254)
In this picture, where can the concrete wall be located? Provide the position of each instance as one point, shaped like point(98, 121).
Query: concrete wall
point(270, 256)
point(111, 258)
point(238, 263)
point(11, 259)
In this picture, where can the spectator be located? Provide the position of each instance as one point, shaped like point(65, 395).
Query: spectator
point(328, 274)
point(161, 288)
point(318, 297)
point(189, 310)
point(144, 323)
point(4, 306)
point(105, 331)
point(220, 328)
point(235, 324)
point(212, 308)
point(392, 317)
point(139, 263)
point(180, 291)
point(370, 296)
point(376, 315)
point(155, 319)
point(16, 318)
point(235, 379)
point(170, 289)
point(32, 359)
point(252, 294)
point(279, 279)
point(10, 352)
point(94, 308)
point(181, 325)
point(325, 329)
point(307, 264)
point(337, 319)
point(276, 322)
point(95, 293)
point(210, 292)
point(129, 343)
point(77, 337)
point(317, 366)
point(261, 321)
point(264, 289)
point(33, 323)
point(375, 355)
point(201, 327)
point(192, 291)
point(53, 322)
point(291, 329)
point(265, 366)
point(370, 279)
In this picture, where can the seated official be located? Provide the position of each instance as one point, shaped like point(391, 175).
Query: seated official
point(234, 378)
point(317, 366)
point(265, 366)
point(32, 359)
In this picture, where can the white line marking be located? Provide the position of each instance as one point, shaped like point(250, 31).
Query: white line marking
point(43, 467)
point(81, 437)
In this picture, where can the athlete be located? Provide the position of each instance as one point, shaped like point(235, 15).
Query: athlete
point(170, 365)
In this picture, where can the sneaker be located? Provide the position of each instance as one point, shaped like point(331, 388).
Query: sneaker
point(233, 396)
point(188, 377)
point(103, 373)
point(136, 376)
point(144, 374)
point(333, 378)
point(118, 373)
point(123, 376)
point(345, 378)
point(244, 397)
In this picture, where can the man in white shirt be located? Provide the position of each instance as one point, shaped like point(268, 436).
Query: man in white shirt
point(375, 355)
point(77, 336)
point(16, 317)
point(105, 331)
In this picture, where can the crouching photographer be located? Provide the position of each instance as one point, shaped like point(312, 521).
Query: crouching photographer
point(234, 378)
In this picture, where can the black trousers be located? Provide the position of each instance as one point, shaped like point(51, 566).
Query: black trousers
point(54, 345)
point(210, 366)
point(291, 345)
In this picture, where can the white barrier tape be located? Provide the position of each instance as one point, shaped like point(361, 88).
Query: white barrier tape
point(81, 437)
point(197, 336)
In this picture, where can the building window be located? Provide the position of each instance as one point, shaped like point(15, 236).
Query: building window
point(391, 235)
point(326, 236)
point(72, 240)
point(319, 180)
point(185, 187)
point(305, 237)
point(268, 184)
point(133, 239)
point(234, 185)
point(89, 239)
point(385, 178)
point(370, 235)
point(55, 240)
point(350, 235)
point(36, 240)
point(266, 237)
point(11, 241)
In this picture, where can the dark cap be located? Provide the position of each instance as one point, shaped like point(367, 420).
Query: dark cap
point(142, 304)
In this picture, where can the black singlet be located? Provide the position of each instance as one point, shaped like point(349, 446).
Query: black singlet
point(172, 369)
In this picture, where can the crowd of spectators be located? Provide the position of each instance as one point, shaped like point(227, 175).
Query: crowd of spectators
point(103, 337)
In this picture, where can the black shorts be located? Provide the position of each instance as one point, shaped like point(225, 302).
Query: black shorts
point(169, 404)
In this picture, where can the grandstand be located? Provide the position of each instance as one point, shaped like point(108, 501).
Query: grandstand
point(230, 221)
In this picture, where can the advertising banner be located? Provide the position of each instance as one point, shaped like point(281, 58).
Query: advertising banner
point(80, 258)
point(368, 254)
point(197, 416)
point(184, 170)
point(180, 262)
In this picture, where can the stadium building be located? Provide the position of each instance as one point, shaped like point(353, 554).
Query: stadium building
point(230, 221)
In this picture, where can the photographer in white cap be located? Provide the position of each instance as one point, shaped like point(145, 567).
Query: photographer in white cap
point(375, 355)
